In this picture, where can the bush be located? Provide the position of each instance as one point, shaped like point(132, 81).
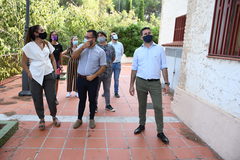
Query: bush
point(9, 65)
point(130, 36)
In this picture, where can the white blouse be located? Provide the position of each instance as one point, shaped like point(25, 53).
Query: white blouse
point(40, 63)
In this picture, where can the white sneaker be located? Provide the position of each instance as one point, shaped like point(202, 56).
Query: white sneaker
point(68, 94)
point(76, 94)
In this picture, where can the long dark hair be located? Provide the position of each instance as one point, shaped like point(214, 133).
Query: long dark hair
point(50, 36)
point(30, 33)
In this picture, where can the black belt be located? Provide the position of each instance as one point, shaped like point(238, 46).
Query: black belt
point(79, 75)
point(148, 79)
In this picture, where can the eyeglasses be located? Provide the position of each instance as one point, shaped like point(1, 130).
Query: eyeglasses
point(88, 37)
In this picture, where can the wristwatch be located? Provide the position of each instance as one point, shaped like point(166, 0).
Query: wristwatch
point(167, 83)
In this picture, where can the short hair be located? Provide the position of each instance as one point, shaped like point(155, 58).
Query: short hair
point(94, 33)
point(144, 29)
point(103, 33)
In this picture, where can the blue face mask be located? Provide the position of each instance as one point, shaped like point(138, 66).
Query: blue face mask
point(148, 38)
point(101, 39)
point(85, 40)
point(75, 43)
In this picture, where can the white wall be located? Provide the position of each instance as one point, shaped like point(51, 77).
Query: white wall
point(207, 98)
point(216, 81)
point(170, 10)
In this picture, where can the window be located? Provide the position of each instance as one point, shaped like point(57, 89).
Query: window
point(179, 28)
point(225, 35)
point(178, 32)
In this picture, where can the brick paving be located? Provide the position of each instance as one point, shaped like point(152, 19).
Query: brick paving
point(112, 139)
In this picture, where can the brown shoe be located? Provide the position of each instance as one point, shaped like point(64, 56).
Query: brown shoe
point(92, 124)
point(77, 124)
point(56, 122)
point(41, 125)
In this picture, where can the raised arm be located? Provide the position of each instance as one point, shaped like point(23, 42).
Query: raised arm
point(78, 51)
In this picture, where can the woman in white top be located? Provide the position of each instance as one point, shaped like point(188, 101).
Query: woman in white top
point(41, 72)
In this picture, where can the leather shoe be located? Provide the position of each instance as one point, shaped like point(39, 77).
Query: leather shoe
point(163, 138)
point(139, 129)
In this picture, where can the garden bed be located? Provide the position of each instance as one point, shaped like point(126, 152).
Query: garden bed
point(7, 129)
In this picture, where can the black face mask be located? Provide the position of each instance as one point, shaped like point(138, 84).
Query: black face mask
point(43, 35)
point(148, 38)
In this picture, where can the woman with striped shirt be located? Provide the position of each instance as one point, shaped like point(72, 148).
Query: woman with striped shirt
point(72, 67)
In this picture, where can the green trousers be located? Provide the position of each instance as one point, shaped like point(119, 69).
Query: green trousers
point(154, 88)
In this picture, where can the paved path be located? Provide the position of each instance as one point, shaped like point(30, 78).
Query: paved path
point(112, 139)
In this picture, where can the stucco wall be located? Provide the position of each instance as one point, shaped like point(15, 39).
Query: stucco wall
point(170, 10)
point(213, 80)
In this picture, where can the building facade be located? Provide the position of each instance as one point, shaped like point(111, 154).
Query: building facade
point(207, 96)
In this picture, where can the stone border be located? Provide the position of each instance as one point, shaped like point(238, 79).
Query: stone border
point(9, 128)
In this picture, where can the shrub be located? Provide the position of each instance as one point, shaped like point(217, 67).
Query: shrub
point(130, 36)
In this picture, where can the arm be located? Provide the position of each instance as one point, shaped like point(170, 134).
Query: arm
point(165, 77)
point(78, 51)
point(132, 81)
point(24, 65)
point(122, 49)
point(96, 74)
point(53, 62)
point(113, 54)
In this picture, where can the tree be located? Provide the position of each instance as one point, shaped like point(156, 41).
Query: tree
point(141, 10)
point(129, 5)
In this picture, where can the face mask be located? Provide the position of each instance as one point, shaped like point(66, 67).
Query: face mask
point(75, 43)
point(43, 35)
point(101, 39)
point(54, 38)
point(148, 38)
point(85, 40)
point(115, 37)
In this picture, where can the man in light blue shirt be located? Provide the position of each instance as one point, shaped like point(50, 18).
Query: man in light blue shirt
point(116, 66)
point(92, 63)
point(148, 62)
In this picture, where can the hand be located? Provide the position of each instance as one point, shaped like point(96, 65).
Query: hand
point(87, 45)
point(166, 89)
point(91, 77)
point(29, 75)
point(58, 71)
point(131, 90)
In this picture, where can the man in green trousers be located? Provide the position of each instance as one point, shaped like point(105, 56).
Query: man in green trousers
point(148, 62)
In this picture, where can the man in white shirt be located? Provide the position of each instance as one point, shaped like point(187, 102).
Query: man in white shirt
point(148, 61)
point(116, 66)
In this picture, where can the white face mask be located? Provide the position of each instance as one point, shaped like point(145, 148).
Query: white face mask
point(115, 37)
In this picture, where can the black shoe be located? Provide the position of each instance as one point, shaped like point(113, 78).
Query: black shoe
point(110, 108)
point(139, 129)
point(117, 95)
point(163, 138)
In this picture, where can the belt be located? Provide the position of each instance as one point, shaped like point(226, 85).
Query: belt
point(148, 79)
point(79, 75)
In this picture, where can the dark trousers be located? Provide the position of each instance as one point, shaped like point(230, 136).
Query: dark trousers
point(84, 87)
point(37, 95)
point(144, 87)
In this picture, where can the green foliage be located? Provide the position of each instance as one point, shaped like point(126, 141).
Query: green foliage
point(69, 18)
point(131, 38)
point(9, 65)
point(129, 5)
point(141, 10)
